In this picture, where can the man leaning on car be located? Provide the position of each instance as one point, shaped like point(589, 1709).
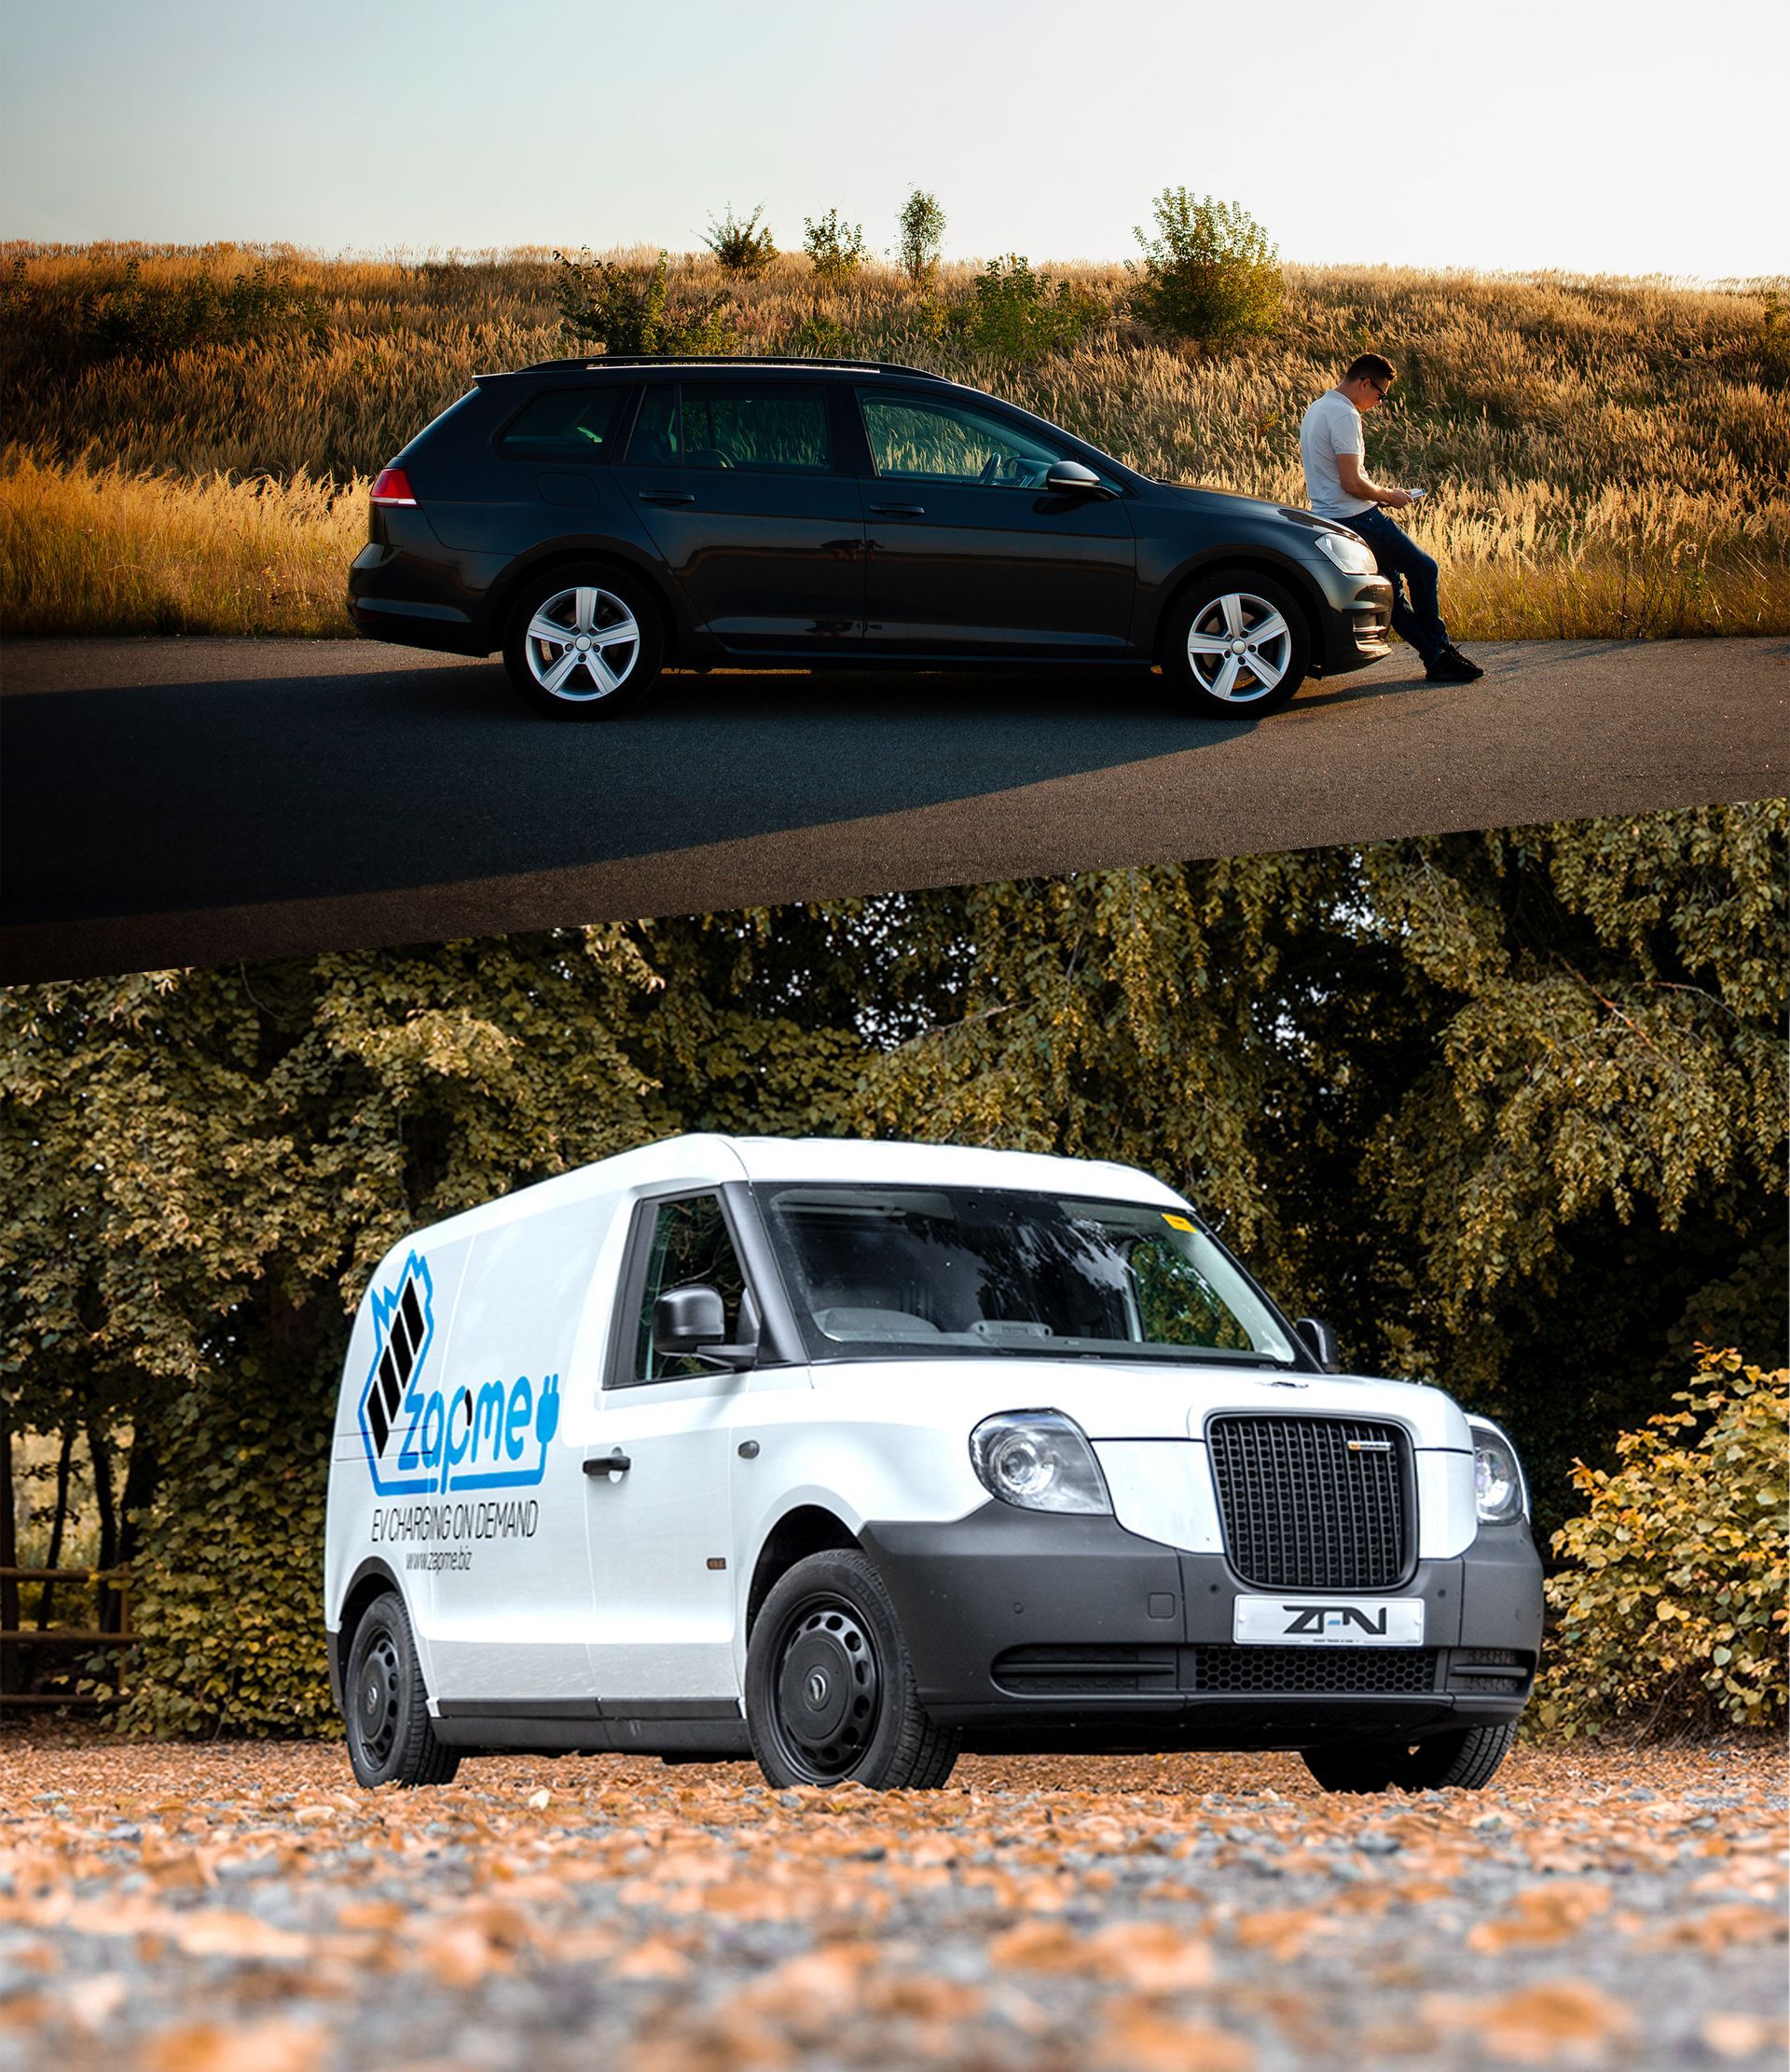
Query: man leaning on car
point(1340, 489)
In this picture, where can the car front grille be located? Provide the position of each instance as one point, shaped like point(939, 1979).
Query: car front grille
point(1312, 1503)
point(1080, 1669)
point(1365, 1672)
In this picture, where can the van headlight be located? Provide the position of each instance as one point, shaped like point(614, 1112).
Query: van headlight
point(1499, 1491)
point(1353, 556)
point(1039, 1460)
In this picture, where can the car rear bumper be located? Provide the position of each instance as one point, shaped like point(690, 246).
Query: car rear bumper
point(395, 595)
point(1033, 1631)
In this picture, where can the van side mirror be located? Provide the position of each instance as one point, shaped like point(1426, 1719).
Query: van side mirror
point(1320, 1342)
point(1069, 478)
point(691, 1323)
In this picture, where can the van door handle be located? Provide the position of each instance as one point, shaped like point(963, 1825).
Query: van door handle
point(898, 510)
point(666, 496)
point(607, 1463)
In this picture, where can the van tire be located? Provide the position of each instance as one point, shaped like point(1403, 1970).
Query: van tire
point(828, 1625)
point(385, 1703)
point(1467, 1759)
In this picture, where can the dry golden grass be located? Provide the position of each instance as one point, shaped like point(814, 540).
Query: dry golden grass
point(1606, 457)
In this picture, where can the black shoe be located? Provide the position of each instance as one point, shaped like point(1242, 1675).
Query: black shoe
point(1452, 666)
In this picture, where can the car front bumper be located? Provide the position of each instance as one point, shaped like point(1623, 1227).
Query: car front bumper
point(1355, 621)
point(1033, 1631)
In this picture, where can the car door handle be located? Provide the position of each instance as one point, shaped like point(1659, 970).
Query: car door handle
point(898, 510)
point(666, 496)
point(607, 1463)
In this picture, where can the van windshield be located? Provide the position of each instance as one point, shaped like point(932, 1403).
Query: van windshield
point(895, 1271)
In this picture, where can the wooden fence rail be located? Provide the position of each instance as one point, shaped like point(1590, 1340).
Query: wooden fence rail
point(116, 1583)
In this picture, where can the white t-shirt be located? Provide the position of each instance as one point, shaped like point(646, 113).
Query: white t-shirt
point(1332, 425)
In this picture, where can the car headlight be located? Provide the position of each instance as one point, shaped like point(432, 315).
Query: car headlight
point(1039, 1460)
point(1353, 556)
point(1499, 1491)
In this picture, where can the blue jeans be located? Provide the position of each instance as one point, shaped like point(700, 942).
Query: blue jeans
point(1418, 620)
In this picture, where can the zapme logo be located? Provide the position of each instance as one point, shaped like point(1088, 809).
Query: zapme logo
point(1327, 1618)
point(423, 1442)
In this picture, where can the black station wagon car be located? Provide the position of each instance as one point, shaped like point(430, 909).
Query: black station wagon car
point(599, 519)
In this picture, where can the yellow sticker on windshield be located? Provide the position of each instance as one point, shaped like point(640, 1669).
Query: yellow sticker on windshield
point(1176, 1222)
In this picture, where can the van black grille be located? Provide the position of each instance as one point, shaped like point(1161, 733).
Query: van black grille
point(1313, 1503)
point(1360, 1671)
point(1082, 1668)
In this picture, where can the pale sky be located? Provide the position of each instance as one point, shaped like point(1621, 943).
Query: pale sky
point(1620, 136)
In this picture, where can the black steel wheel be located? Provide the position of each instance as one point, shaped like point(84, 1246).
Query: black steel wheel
point(829, 1692)
point(386, 1706)
point(1466, 1758)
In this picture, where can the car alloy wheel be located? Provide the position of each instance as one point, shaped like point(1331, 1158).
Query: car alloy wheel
point(581, 643)
point(1239, 646)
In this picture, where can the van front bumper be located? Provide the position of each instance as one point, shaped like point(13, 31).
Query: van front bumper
point(1034, 1631)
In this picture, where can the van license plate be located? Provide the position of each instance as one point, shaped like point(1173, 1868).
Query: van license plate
point(1330, 1623)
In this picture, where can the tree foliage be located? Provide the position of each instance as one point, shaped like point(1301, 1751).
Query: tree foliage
point(835, 249)
point(613, 307)
point(1209, 272)
point(1506, 1107)
point(743, 244)
point(921, 228)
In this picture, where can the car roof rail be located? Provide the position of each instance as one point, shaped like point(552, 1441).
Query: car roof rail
point(592, 364)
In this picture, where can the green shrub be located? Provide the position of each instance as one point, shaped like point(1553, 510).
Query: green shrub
point(1671, 1604)
point(921, 231)
point(153, 320)
point(819, 338)
point(615, 309)
point(1021, 316)
point(743, 246)
point(836, 250)
point(1209, 272)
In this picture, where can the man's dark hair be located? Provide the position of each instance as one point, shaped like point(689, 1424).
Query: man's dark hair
point(1370, 366)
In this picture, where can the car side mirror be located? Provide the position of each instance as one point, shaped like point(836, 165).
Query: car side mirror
point(1069, 478)
point(1320, 1342)
point(690, 1324)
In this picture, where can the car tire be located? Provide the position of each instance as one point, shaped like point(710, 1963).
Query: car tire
point(1226, 635)
point(1467, 1759)
point(615, 614)
point(830, 1690)
point(391, 1739)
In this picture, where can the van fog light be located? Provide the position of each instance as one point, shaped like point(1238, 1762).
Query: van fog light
point(1499, 1494)
point(1040, 1460)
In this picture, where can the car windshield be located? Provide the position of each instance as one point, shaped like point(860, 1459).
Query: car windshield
point(897, 1271)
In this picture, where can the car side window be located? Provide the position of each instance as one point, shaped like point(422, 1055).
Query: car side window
point(689, 1247)
point(916, 439)
point(566, 424)
point(758, 427)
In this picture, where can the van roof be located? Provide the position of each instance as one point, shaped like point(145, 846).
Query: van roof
point(710, 1159)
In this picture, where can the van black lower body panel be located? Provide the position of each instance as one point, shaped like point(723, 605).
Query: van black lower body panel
point(1039, 1632)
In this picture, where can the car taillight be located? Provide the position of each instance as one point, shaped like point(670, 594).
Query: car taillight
point(392, 487)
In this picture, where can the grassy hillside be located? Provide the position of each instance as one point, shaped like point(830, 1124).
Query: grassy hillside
point(188, 432)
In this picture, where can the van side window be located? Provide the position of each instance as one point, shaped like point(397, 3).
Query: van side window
point(689, 1248)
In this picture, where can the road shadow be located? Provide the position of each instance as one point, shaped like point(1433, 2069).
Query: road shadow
point(175, 796)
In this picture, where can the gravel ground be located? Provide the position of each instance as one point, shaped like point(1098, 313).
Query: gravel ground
point(246, 1909)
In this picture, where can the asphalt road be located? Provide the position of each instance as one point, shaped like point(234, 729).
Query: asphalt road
point(191, 801)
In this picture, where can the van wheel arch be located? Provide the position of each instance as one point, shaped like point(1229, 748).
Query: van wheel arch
point(1289, 577)
point(809, 1529)
point(370, 1581)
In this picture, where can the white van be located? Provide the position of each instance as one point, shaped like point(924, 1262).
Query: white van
point(849, 1456)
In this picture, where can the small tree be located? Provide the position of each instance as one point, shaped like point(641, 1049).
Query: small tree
point(616, 309)
point(743, 246)
point(1209, 272)
point(836, 250)
point(921, 224)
